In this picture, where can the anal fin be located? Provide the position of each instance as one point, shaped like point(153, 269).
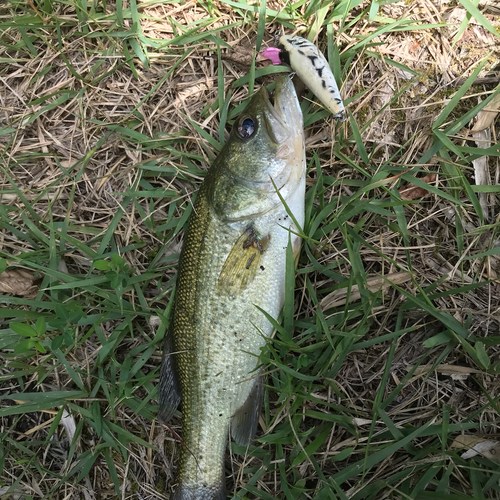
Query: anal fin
point(169, 390)
point(246, 418)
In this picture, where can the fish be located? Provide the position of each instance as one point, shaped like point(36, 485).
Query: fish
point(249, 208)
point(312, 68)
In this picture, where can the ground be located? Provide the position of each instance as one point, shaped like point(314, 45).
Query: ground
point(384, 383)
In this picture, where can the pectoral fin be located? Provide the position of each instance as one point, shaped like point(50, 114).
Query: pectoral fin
point(169, 390)
point(246, 418)
point(243, 262)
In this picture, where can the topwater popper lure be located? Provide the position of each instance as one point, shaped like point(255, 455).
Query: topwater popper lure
point(312, 68)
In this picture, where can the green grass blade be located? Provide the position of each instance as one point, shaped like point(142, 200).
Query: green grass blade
point(475, 12)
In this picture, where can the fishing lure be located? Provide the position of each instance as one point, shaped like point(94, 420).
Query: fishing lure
point(312, 68)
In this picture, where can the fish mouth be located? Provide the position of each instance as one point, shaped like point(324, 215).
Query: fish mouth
point(286, 102)
point(284, 125)
point(283, 115)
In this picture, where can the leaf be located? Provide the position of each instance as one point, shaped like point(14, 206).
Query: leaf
point(338, 297)
point(481, 167)
point(68, 422)
point(486, 117)
point(456, 372)
point(23, 347)
point(477, 445)
point(102, 265)
point(482, 356)
point(39, 347)
point(491, 251)
point(18, 282)
point(439, 339)
point(243, 56)
point(57, 342)
point(40, 326)
point(262, 26)
point(413, 192)
point(373, 10)
point(23, 329)
point(119, 261)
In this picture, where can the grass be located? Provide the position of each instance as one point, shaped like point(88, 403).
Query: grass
point(110, 116)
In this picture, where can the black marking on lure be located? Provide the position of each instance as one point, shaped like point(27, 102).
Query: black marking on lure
point(284, 56)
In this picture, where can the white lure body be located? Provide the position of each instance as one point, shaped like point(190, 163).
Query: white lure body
point(313, 69)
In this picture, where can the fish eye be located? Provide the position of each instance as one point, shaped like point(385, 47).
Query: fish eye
point(246, 127)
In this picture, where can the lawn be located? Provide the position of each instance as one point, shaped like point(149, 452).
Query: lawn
point(383, 374)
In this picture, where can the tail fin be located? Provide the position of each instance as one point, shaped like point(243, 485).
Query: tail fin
point(199, 493)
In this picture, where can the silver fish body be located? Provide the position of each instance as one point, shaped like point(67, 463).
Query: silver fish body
point(232, 266)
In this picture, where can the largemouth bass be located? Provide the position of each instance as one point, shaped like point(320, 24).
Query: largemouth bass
point(232, 263)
